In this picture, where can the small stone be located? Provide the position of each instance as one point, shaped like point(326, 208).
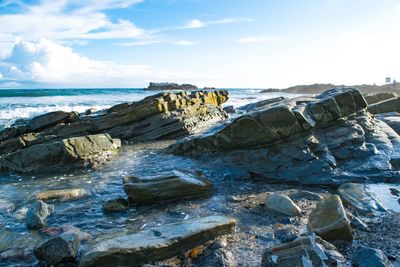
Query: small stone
point(359, 224)
point(282, 204)
point(370, 257)
point(194, 253)
point(286, 235)
point(58, 249)
point(119, 204)
point(37, 214)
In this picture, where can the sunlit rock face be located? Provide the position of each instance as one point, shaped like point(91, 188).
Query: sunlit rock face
point(329, 139)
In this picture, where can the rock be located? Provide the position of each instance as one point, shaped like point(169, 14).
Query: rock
point(378, 97)
point(329, 221)
point(58, 249)
point(52, 118)
point(17, 241)
point(304, 251)
point(327, 140)
point(305, 195)
point(370, 257)
point(170, 86)
point(66, 155)
point(166, 187)
point(286, 235)
point(63, 194)
point(261, 104)
point(145, 246)
point(357, 223)
point(389, 105)
point(282, 204)
point(392, 119)
point(359, 197)
point(37, 214)
point(220, 243)
point(394, 191)
point(230, 109)
point(118, 204)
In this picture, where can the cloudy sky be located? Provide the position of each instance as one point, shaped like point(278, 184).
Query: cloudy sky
point(222, 43)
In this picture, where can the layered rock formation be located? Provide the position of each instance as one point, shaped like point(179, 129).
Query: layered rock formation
point(56, 139)
point(328, 140)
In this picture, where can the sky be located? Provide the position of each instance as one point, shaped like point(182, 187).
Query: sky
point(220, 43)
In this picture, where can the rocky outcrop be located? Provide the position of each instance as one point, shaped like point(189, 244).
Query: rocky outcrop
point(388, 105)
point(172, 86)
point(304, 251)
point(125, 249)
point(329, 221)
point(67, 154)
point(330, 139)
point(360, 198)
point(54, 136)
point(167, 187)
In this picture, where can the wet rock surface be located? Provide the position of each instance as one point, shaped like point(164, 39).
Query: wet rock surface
point(37, 214)
point(62, 194)
point(282, 204)
point(359, 197)
point(156, 244)
point(167, 187)
point(370, 257)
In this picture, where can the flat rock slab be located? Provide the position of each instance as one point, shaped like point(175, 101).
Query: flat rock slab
point(62, 194)
point(360, 198)
point(304, 251)
point(329, 221)
point(156, 244)
point(168, 187)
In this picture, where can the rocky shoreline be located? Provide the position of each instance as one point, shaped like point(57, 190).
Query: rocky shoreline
point(283, 182)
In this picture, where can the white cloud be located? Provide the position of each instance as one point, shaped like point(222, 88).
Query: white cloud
point(196, 23)
point(155, 41)
point(46, 62)
point(64, 20)
point(257, 39)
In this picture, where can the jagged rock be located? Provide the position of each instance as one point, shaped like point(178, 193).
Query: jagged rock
point(125, 249)
point(329, 221)
point(65, 155)
point(161, 116)
point(118, 204)
point(62, 194)
point(360, 198)
point(370, 257)
point(166, 187)
point(378, 97)
point(282, 204)
point(389, 105)
point(58, 249)
point(328, 141)
point(37, 214)
point(304, 251)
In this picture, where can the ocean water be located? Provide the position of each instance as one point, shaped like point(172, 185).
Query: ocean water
point(26, 103)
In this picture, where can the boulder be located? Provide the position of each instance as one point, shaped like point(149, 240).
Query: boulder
point(166, 187)
point(146, 246)
point(65, 155)
point(63, 194)
point(370, 257)
point(304, 251)
point(378, 97)
point(118, 204)
point(359, 197)
point(58, 249)
point(329, 221)
point(328, 140)
point(282, 204)
point(37, 214)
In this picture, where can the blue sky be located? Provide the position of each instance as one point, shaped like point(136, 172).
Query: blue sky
point(222, 43)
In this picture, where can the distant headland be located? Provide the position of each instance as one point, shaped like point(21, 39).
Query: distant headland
point(170, 86)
